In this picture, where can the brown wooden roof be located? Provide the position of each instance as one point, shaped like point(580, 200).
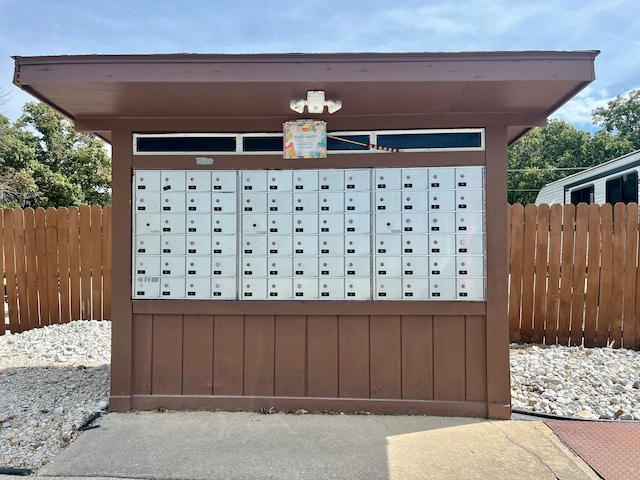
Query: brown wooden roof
point(252, 92)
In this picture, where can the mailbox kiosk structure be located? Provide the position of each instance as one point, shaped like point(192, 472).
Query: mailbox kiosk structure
point(372, 279)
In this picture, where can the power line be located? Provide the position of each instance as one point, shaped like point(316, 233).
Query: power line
point(546, 169)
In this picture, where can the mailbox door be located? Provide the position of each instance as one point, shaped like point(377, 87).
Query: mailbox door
point(173, 245)
point(172, 223)
point(148, 266)
point(147, 245)
point(441, 178)
point(280, 267)
point(357, 202)
point(357, 245)
point(357, 288)
point(254, 202)
point(388, 245)
point(357, 223)
point(388, 266)
point(357, 180)
point(414, 179)
point(417, 222)
point(198, 287)
point(415, 266)
point(280, 245)
point(172, 287)
point(279, 202)
point(441, 200)
point(305, 267)
point(200, 223)
point(442, 266)
point(148, 224)
point(469, 177)
point(471, 222)
point(416, 245)
point(442, 244)
point(357, 267)
point(330, 289)
point(387, 179)
point(146, 181)
point(389, 223)
point(147, 202)
point(469, 200)
point(441, 222)
point(305, 202)
point(223, 288)
point(224, 181)
point(222, 224)
point(442, 288)
point(388, 201)
point(222, 266)
point(254, 289)
point(173, 181)
point(146, 287)
point(280, 288)
point(254, 267)
point(173, 202)
point(199, 181)
point(199, 202)
point(470, 244)
point(305, 180)
point(470, 288)
point(330, 245)
point(415, 201)
point(253, 181)
point(305, 245)
point(470, 266)
point(254, 245)
point(226, 203)
point(198, 245)
point(280, 224)
point(331, 223)
point(255, 224)
point(331, 266)
point(388, 288)
point(173, 266)
point(415, 289)
point(224, 245)
point(305, 224)
point(279, 180)
point(305, 288)
point(199, 266)
point(331, 201)
point(330, 180)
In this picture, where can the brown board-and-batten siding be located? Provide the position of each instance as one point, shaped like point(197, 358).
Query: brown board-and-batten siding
point(379, 356)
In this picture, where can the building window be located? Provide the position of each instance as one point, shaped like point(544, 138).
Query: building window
point(623, 188)
point(582, 195)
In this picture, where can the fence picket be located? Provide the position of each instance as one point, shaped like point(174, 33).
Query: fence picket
point(515, 279)
point(631, 251)
point(553, 285)
point(85, 262)
point(606, 275)
point(106, 261)
point(41, 256)
point(593, 276)
point(74, 262)
point(52, 265)
point(21, 268)
point(566, 273)
point(10, 266)
point(32, 267)
point(63, 261)
point(617, 294)
point(96, 262)
point(579, 274)
point(528, 273)
point(3, 328)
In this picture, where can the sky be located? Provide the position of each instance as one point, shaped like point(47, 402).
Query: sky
point(67, 27)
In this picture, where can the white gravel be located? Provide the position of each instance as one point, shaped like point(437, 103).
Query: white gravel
point(53, 379)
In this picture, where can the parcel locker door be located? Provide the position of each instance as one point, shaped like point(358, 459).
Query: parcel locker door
point(146, 287)
point(415, 201)
point(173, 181)
point(305, 267)
point(415, 289)
point(330, 201)
point(223, 288)
point(279, 180)
point(254, 288)
point(415, 179)
point(146, 181)
point(357, 267)
point(173, 266)
point(357, 223)
point(441, 178)
point(223, 245)
point(199, 267)
point(305, 180)
point(201, 223)
point(357, 245)
point(280, 267)
point(388, 245)
point(469, 200)
point(417, 267)
point(330, 245)
point(147, 224)
point(416, 245)
point(331, 223)
point(417, 222)
point(223, 267)
point(147, 266)
point(198, 203)
point(254, 267)
point(388, 266)
point(387, 179)
point(357, 202)
point(223, 181)
point(442, 288)
point(172, 287)
point(223, 224)
point(199, 181)
point(254, 202)
point(472, 244)
point(305, 224)
point(226, 203)
point(442, 200)
point(331, 180)
point(388, 201)
point(470, 288)
point(471, 222)
point(469, 177)
point(442, 266)
point(355, 180)
point(172, 223)
point(280, 224)
point(305, 245)
point(253, 181)
point(280, 288)
point(388, 222)
point(198, 245)
point(254, 245)
point(331, 266)
point(305, 288)
point(357, 288)
point(442, 244)
point(255, 224)
point(198, 288)
point(305, 202)
point(147, 202)
point(330, 289)
point(173, 202)
point(280, 245)
point(388, 288)
point(147, 245)
point(470, 266)
point(442, 222)
point(280, 202)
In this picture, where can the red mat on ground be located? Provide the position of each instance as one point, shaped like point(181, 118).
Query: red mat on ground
point(612, 449)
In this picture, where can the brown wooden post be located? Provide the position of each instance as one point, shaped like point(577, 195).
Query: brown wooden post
point(498, 385)
point(121, 324)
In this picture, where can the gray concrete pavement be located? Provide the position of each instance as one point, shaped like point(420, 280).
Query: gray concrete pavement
point(220, 445)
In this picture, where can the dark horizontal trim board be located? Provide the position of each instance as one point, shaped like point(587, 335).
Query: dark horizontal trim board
point(289, 404)
point(311, 307)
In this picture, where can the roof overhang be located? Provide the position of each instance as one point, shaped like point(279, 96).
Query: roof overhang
point(148, 93)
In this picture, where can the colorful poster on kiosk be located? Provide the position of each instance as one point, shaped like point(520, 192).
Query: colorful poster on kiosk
point(305, 139)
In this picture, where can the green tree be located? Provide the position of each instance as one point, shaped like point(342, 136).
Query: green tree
point(44, 162)
point(621, 116)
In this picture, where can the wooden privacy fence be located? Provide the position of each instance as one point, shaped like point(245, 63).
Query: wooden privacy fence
point(573, 271)
point(574, 274)
point(57, 265)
